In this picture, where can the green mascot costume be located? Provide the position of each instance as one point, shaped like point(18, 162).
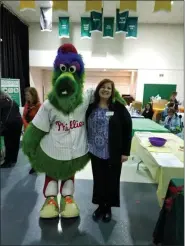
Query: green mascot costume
point(56, 142)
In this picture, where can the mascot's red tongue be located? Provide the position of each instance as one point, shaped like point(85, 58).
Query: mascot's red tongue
point(67, 48)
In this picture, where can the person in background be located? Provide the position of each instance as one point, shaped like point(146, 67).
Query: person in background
point(109, 132)
point(148, 111)
point(174, 100)
point(31, 108)
point(172, 121)
point(10, 129)
point(165, 112)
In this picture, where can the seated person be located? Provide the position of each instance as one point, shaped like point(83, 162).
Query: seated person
point(172, 122)
point(165, 112)
point(148, 111)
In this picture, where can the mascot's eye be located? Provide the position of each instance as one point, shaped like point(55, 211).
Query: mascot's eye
point(72, 69)
point(63, 68)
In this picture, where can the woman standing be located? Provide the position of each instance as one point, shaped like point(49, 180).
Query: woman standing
point(109, 130)
point(30, 109)
point(10, 128)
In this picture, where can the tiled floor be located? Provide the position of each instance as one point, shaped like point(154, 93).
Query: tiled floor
point(22, 198)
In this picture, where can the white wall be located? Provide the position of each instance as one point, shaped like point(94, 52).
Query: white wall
point(158, 50)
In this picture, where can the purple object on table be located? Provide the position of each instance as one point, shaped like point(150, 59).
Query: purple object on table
point(158, 142)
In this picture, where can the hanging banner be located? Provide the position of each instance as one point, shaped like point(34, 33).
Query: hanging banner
point(121, 21)
point(12, 88)
point(27, 5)
point(85, 27)
point(162, 6)
point(132, 24)
point(64, 27)
point(46, 19)
point(108, 27)
point(128, 5)
point(93, 5)
point(96, 21)
point(60, 5)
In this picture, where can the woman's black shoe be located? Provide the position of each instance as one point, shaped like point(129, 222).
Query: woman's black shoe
point(31, 171)
point(107, 216)
point(97, 214)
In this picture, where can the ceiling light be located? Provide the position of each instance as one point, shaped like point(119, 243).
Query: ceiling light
point(171, 2)
point(104, 70)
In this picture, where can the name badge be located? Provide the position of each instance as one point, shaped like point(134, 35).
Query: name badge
point(109, 113)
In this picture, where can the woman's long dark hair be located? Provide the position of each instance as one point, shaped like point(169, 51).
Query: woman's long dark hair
point(34, 94)
point(96, 93)
point(151, 107)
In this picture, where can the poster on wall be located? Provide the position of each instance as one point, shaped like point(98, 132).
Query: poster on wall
point(85, 27)
point(132, 27)
point(108, 27)
point(64, 27)
point(12, 88)
point(121, 21)
point(96, 21)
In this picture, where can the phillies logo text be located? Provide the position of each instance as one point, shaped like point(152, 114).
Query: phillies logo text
point(66, 127)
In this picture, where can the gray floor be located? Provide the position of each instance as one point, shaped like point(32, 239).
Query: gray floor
point(21, 200)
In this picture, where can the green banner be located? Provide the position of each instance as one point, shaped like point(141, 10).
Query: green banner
point(64, 27)
point(108, 27)
point(85, 27)
point(96, 21)
point(121, 21)
point(132, 27)
point(12, 88)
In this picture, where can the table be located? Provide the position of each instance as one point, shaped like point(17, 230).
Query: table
point(160, 174)
point(169, 229)
point(135, 115)
point(146, 125)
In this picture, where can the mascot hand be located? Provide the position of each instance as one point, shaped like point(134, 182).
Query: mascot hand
point(119, 98)
point(31, 140)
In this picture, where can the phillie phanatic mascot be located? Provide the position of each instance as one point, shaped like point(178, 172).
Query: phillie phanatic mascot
point(56, 142)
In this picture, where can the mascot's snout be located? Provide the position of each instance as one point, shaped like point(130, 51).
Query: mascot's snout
point(66, 85)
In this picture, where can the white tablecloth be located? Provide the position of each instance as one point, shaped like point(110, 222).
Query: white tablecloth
point(161, 174)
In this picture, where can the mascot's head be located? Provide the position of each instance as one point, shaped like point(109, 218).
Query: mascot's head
point(67, 80)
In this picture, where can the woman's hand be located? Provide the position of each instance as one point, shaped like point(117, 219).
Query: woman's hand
point(124, 158)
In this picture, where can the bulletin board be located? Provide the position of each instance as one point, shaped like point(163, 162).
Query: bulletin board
point(163, 90)
point(12, 87)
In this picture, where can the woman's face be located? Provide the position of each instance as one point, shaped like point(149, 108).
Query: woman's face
point(170, 114)
point(173, 97)
point(105, 91)
point(28, 97)
point(148, 107)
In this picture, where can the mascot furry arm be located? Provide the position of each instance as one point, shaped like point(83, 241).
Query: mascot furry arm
point(55, 142)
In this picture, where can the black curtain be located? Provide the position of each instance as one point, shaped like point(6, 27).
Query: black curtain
point(14, 49)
